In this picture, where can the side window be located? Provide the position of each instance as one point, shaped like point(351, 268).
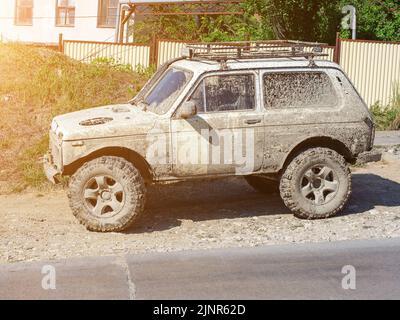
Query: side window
point(225, 93)
point(198, 97)
point(298, 90)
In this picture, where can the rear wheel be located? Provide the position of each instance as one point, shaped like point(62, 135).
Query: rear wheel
point(107, 194)
point(262, 184)
point(316, 184)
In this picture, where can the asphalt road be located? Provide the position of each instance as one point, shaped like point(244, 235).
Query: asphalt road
point(387, 138)
point(306, 271)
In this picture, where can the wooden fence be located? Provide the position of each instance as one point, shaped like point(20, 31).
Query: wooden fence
point(373, 67)
point(87, 51)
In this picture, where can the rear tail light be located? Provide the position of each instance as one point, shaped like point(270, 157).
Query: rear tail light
point(370, 123)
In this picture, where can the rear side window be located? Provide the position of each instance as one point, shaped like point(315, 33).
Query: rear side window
point(225, 93)
point(298, 90)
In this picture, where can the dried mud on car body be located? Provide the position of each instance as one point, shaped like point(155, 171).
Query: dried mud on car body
point(198, 215)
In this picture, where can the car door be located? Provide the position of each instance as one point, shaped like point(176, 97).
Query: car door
point(226, 136)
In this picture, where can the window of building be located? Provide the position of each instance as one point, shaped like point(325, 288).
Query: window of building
point(65, 13)
point(298, 90)
point(24, 12)
point(108, 10)
point(225, 93)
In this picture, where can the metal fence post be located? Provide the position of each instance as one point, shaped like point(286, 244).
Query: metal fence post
point(336, 56)
point(154, 51)
point(60, 42)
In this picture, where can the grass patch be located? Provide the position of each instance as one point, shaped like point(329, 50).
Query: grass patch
point(388, 117)
point(29, 163)
point(37, 84)
point(5, 143)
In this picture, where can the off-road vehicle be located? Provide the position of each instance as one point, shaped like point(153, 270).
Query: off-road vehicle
point(273, 112)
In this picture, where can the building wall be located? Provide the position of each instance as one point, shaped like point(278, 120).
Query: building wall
point(44, 28)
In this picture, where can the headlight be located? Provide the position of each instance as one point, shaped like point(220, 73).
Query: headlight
point(54, 126)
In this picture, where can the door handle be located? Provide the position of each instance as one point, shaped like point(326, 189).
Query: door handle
point(252, 121)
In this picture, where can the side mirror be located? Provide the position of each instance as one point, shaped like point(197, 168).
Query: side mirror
point(187, 110)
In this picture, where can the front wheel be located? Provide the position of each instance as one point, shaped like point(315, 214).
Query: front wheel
point(107, 194)
point(316, 184)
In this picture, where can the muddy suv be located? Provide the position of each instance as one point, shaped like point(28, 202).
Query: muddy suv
point(271, 112)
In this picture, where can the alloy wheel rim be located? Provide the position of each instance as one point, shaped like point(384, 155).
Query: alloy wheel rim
point(104, 196)
point(319, 184)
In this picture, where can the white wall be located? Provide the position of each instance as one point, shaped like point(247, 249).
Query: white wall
point(44, 29)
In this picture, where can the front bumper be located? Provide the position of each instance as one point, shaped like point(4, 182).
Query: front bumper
point(369, 156)
point(50, 170)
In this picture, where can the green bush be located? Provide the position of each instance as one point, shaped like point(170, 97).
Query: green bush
point(388, 117)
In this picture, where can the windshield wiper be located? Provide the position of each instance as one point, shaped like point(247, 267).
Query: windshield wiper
point(141, 104)
point(134, 102)
point(144, 105)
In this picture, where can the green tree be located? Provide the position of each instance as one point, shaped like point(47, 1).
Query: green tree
point(248, 26)
point(180, 27)
point(251, 25)
point(376, 19)
point(307, 20)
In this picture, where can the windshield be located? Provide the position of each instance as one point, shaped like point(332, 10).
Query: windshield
point(165, 92)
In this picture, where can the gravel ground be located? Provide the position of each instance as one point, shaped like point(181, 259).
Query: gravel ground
point(200, 215)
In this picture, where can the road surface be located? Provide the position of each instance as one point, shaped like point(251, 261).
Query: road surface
point(387, 138)
point(303, 271)
point(198, 215)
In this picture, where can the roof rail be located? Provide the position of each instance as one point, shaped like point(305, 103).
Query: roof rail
point(223, 51)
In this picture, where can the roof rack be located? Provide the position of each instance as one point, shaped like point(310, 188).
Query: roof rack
point(223, 51)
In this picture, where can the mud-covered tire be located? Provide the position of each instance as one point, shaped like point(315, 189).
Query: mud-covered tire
point(107, 194)
point(316, 184)
point(263, 185)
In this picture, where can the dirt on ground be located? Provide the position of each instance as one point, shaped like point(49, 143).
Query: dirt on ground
point(198, 215)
